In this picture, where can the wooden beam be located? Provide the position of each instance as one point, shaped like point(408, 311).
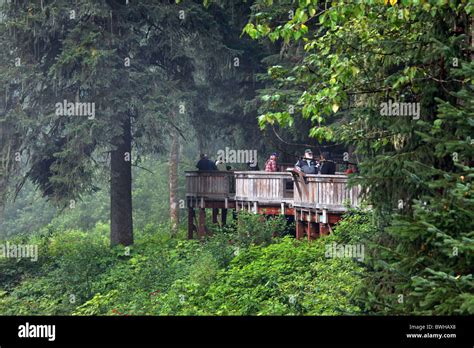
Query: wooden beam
point(333, 218)
point(215, 212)
point(202, 223)
point(299, 226)
point(223, 216)
point(300, 229)
point(312, 230)
point(323, 229)
point(190, 222)
point(218, 204)
point(324, 217)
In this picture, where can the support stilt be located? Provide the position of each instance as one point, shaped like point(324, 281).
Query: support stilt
point(299, 226)
point(215, 212)
point(312, 230)
point(223, 216)
point(202, 223)
point(323, 229)
point(190, 222)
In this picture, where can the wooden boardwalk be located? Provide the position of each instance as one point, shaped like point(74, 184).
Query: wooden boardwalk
point(315, 203)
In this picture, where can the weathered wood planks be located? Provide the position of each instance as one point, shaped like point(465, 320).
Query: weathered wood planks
point(329, 192)
point(315, 201)
point(214, 185)
point(264, 187)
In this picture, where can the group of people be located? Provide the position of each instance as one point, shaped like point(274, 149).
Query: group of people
point(307, 164)
point(205, 163)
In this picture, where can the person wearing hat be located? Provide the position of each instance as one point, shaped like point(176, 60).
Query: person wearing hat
point(271, 164)
point(307, 164)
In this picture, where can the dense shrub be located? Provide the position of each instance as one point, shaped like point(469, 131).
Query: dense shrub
point(285, 278)
point(233, 272)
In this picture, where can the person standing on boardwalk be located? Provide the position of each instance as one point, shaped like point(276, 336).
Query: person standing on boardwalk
point(307, 164)
point(253, 165)
point(205, 163)
point(271, 164)
point(327, 165)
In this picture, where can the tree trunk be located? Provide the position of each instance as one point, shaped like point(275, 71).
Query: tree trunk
point(173, 182)
point(121, 222)
point(2, 212)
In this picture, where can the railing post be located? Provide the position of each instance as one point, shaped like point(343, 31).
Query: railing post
point(299, 225)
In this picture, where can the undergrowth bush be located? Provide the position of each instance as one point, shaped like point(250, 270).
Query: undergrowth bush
point(245, 268)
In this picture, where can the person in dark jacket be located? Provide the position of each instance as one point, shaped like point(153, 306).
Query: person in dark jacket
point(307, 164)
point(253, 165)
point(205, 163)
point(327, 166)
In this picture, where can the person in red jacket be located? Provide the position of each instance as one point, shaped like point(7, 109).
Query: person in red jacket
point(271, 164)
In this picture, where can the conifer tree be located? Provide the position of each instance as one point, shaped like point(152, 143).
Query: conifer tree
point(416, 167)
point(133, 64)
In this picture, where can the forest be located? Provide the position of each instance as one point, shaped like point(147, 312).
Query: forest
point(107, 106)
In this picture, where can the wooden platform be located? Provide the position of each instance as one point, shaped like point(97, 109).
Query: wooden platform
point(316, 203)
point(329, 192)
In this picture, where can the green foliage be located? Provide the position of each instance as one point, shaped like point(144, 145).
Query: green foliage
point(284, 278)
point(61, 277)
point(77, 273)
point(357, 226)
point(358, 55)
point(428, 258)
point(258, 229)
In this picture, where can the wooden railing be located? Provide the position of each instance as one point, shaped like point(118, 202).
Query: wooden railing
point(214, 185)
point(263, 187)
point(317, 192)
point(329, 192)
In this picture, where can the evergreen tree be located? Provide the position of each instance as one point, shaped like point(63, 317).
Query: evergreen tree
point(359, 57)
point(135, 63)
point(427, 265)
